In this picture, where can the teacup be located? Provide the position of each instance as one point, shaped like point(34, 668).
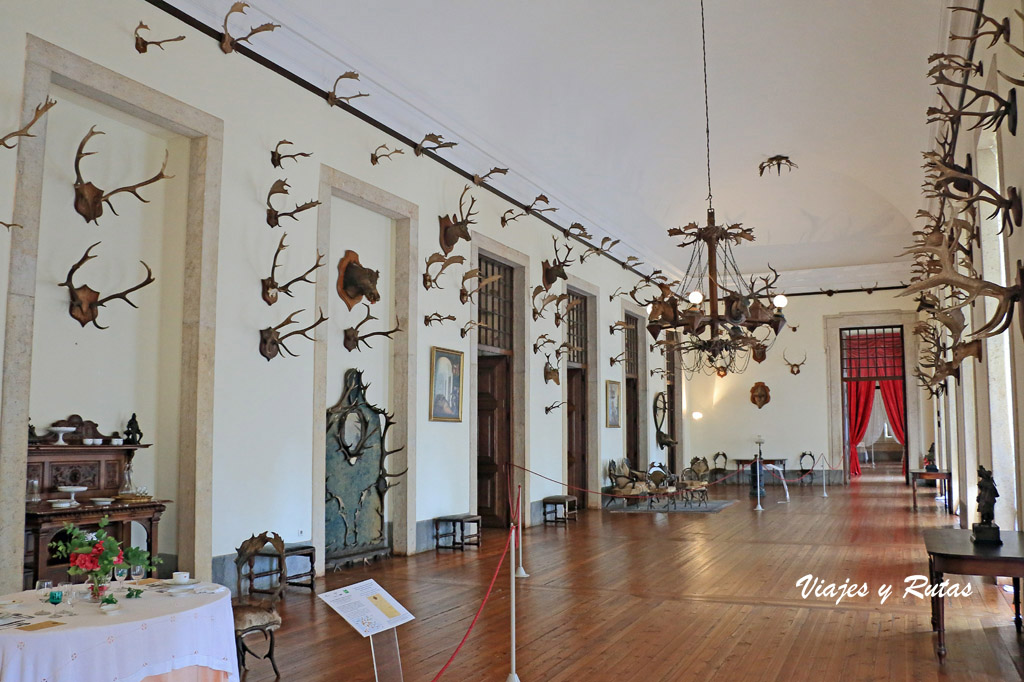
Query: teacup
point(88, 441)
point(117, 441)
point(180, 577)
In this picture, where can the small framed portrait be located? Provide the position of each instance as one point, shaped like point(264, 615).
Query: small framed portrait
point(612, 404)
point(445, 385)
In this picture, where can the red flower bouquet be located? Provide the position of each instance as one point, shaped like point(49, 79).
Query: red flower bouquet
point(95, 554)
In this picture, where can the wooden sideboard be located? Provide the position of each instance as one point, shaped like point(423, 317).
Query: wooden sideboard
point(101, 469)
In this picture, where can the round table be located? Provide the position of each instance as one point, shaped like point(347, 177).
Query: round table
point(156, 638)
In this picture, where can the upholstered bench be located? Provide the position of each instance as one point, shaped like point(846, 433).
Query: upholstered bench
point(459, 538)
point(305, 578)
point(553, 502)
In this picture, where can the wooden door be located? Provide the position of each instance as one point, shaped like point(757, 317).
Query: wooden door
point(494, 442)
point(576, 448)
point(632, 400)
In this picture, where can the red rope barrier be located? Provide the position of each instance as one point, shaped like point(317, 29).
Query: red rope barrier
point(490, 588)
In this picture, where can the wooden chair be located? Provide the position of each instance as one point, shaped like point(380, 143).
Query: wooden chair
point(718, 471)
point(661, 483)
point(695, 488)
point(700, 468)
point(805, 470)
point(258, 614)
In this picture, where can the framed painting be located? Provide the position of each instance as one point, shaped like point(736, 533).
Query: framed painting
point(445, 385)
point(612, 404)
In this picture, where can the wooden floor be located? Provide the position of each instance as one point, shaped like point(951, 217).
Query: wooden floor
point(666, 597)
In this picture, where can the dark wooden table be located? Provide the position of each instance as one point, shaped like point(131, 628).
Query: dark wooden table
point(945, 476)
point(950, 550)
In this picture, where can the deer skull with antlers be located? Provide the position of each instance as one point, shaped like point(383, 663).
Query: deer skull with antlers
point(276, 157)
point(429, 320)
point(270, 287)
point(229, 43)
point(430, 279)
point(86, 302)
point(272, 340)
point(542, 340)
point(562, 313)
point(456, 227)
point(551, 371)
point(554, 269)
point(538, 313)
point(353, 338)
point(142, 45)
point(383, 152)
point(606, 245)
point(333, 98)
point(465, 295)
point(433, 142)
point(481, 179)
point(89, 199)
point(794, 367)
point(273, 215)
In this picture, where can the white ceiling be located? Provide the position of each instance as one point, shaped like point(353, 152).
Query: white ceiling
point(599, 104)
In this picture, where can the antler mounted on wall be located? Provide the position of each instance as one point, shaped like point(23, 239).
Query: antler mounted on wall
point(618, 359)
point(554, 406)
point(383, 152)
point(658, 372)
point(276, 157)
point(471, 325)
point(229, 43)
point(353, 338)
point(619, 326)
point(433, 142)
point(269, 285)
point(273, 215)
point(551, 371)
point(631, 262)
point(481, 179)
point(562, 313)
point(578, 231)
point(776, 162)
point(511, 215)
point(429, 320)
point(272, 340)
point(565, 349)
point(430, 279)
point(554, 269)
point(89, 198)
point(333, 98)
point(990, 117)
point(794, 367)
point(607, 243)
point(86, 302)
point(142, 45)
point(538, 313)
point(465, 295)
point(455, 227)
point(998, 28)
point(941, 182)
point(9, 141)
point(542, 340)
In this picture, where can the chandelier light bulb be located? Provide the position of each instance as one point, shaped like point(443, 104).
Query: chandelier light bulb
point(780, 301)
point(695, 297)
point(698, 415)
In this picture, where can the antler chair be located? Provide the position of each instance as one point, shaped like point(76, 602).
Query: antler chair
point(661, 484)
point(625, 481)
point(700, 468)
point(718, 471)
point(254, 614)
point(805, 470)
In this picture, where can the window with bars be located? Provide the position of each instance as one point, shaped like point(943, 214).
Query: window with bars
point(495, 308)
point(871, 353)
point(632, 346)
point(576, 330)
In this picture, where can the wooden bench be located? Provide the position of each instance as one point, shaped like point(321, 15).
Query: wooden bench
point(458, 531)
point(553, 502)
point(304, 579)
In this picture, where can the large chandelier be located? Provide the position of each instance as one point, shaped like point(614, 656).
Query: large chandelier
point(722, 318)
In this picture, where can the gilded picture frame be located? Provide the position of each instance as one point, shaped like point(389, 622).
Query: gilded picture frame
point(612, 404)
point(445, 385)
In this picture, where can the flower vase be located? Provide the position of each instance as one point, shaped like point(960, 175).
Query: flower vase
point(98, 587)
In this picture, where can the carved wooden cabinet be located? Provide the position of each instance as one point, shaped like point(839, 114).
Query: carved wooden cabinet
point(100, 468)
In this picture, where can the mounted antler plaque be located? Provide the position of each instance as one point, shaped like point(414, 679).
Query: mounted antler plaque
point(89, 198)
point(455, 227)
point(229, 43)
point(353, 338)
point(86, 302)
point(272, 340)
point(273, 215)
point(554, 269)
point(356, 281)
point(269, 285)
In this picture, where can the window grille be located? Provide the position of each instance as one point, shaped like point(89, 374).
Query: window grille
point(576, 332)
point(632, 346)
point(495, 308)
point(871, 353)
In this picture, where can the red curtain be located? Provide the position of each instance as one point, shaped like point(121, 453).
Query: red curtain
point(892, 398)
point(861, 396)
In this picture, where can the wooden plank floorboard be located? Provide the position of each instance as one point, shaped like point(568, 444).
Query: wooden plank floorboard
point(671, 597)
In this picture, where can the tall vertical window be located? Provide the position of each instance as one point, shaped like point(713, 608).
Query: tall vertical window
point(495, 309)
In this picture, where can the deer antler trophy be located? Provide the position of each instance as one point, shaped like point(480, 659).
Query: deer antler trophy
point(142, 45)
point(89, 198)
point(356, 281)
point(272, 340)
point(465, 295)
point(271, 288)
point(273, 215)
point(229, 43)
point(456, 227)
point(8, 140)
point(353, 338)
point(430, 279)
point(555, 269)
point(86, 302)
point(276, 157)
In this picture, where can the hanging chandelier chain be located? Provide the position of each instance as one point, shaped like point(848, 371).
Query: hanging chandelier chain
point(707, 115)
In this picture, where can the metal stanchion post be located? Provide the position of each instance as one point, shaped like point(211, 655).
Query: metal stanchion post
point(824, 476)
point(757, 472)
point(512, 676)
point(521, 572)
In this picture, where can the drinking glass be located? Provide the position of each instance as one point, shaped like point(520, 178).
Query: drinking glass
point(120, 575)
point(43, 588)
point(138, 573)
point(55, 598)
point(69, 598)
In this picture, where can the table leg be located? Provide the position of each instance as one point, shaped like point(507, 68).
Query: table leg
point(942, 619)
point(949, 496)
point(931, 581)
point(913, 490)
point(1016, 604)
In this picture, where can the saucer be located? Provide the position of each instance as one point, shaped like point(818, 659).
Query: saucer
point(188, 583)
point(102, 501)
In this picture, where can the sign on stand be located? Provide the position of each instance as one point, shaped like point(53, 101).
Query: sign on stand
point(374, 613)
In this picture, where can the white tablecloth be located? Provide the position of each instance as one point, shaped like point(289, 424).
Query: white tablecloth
point(155, 634)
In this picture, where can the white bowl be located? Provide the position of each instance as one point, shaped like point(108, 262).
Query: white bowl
point(72, 488)
point(102, 501)
point(60, 504)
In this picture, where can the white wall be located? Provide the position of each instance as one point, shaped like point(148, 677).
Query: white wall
point(262, 414)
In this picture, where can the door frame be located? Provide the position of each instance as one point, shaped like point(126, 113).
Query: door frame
point(591, 292)
point(520, 426)
point(885, 318)
point(644, 421)
point(404, 384)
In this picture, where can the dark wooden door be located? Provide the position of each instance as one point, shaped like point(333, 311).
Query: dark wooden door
point(576, 449)
point(632, 422)
point(494, 443)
